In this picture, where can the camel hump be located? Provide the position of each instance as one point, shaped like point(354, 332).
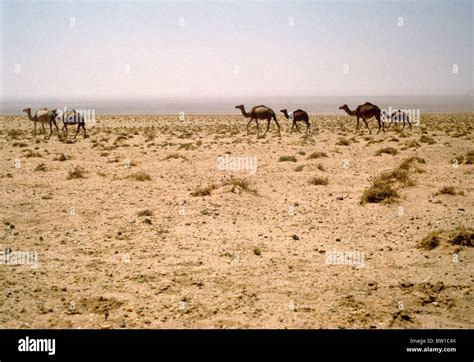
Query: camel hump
point(42, 112)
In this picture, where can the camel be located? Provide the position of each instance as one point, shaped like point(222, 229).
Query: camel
point(297, 116)
point(259, 112)
point(397, 117)
point(43, 116)
point(70, 117)
point(365, 111)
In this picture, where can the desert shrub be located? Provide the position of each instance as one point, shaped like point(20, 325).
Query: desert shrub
point(175, 156)
point(380, 190)
point(459, 236)
point(317, 180)
point(317, 155)
point(140, 176)
point(204, 190)
point(76, 173)
point(343, 142)
point(469, 158)
point(186, 146)
point(446, 190)
point(430, 241)
point(287, 159)
point(30, 153)
point(241, 184)
point(427, 139)
point(146, 212)
point(388, 150)
point(41, 167)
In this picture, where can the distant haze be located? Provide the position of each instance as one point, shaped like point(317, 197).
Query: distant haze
point(313, 105)
point(121, 52)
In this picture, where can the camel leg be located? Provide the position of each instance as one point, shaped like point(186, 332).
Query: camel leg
point(65, 129)
point(307, 127)
point(53, 122)
point(403, 127)
point(84, 128)
point(367, 125)
point(50, 130)
point(35, 127)
point(78, 128)
point(42, 126)
point(357, 125)
point(296, 124)
point(380, 125)
point(268, 126)
point(278, 125)
point(409, 123)
point(248, 124)
point(292, 127)
point(57, 129)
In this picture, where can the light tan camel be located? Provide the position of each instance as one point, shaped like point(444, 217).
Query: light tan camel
point(365, 111)
point(43, 116)
point(259, 112)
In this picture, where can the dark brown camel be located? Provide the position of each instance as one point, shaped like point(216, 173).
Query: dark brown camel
point(365, 111)
point(297, 116)
point(397, 117)
point(70, 118)
point(259, 112)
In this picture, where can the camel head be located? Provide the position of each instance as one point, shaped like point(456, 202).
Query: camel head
point(27, 110)
point(343, 107)
point(285, 112)
point(240, 106)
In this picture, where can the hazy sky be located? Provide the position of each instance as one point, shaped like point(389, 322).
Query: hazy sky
point(230, 48)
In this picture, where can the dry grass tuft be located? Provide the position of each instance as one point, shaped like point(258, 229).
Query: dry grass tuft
point(41, 167)
point(317, 180)
point(145, 212)
point(388, 150)
point(317, 155)
point(140, 176)
point(459, 236)
point(76, 173)
point(343, 142)
point(287, 159)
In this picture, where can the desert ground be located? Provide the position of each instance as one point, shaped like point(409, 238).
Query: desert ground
point(138, 225)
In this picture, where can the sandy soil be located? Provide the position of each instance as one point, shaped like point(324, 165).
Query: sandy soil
point(246, 255)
